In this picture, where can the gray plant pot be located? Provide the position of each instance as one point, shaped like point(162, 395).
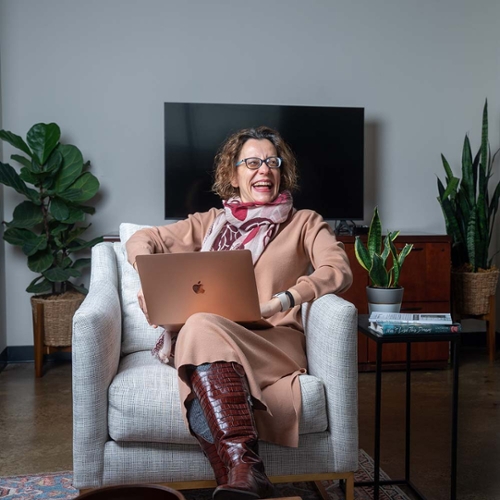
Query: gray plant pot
point(384, 299)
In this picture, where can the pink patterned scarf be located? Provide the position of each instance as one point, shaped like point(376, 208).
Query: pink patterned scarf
point(249, 226)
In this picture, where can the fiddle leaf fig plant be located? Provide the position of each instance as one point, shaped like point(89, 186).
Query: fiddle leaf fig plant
point(384, 272)
point(468, 207)
point(48, 224)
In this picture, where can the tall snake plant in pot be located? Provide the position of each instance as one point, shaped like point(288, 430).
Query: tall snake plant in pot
point(381, 259)
point(48, 224)
point(469, 208)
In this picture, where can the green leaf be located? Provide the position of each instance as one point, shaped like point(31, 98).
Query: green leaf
point(471, 241)
point(15, 141)
point(67, 261)
point(84, 188)
point(74, 273)
point(399, 260)
point(75, 233)
point(375, 235)
point(362, 254)
point(42, 139)
point(484, 139)
point(17, 236)
point(447, 168)
point(387, 246)
point(59, 209)
point(42, 287)
point(494, 203)
point(81, 245)
point(41, 261)
point(54, 162)
point(81, 263)
point(451, 188)
point(26, 215)
point(59, 242)
point(75, 215)
point(34, 245)
point(88, 210)
point(467, 173)
point(80, 288)
point(21, 159)
point(378, 273)
point(56, 228)
point(36, 167)
point(57, 274)
point(71, 169)
point(9, 177)
point(27, 176)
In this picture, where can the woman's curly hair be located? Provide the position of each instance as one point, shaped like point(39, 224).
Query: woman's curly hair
point(226, 158)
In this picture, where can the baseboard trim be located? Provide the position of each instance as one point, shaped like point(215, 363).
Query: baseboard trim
point(26, 354)
point(3, 359)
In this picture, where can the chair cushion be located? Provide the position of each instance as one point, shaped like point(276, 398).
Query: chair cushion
point(144, 403)
point(137, 334)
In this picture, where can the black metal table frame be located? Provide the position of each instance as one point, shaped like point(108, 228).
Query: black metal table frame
point(380, 340)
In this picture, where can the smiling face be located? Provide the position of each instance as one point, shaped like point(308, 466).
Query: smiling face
point(260, 185)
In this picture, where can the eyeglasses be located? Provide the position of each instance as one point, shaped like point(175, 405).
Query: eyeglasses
point(255, 163)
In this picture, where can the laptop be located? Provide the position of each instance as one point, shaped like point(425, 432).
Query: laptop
point(177, 285)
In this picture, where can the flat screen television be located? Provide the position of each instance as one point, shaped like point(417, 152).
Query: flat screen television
point(327, 141)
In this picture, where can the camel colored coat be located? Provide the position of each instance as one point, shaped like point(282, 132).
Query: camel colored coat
point(272, 358)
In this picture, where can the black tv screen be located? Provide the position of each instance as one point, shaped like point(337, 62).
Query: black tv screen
point(327, 141)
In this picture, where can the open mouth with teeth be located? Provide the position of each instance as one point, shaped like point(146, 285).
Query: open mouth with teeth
point(263, 186)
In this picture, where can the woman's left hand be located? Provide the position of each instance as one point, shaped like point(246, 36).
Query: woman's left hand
point(270, 308)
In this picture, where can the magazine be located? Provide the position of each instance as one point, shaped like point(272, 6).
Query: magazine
point(418, 319)
point(411, 328)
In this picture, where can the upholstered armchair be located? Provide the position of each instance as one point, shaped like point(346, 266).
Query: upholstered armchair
point(126, 411)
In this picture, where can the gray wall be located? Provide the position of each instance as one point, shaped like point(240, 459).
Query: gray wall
point(102, 70)
point(3, 332)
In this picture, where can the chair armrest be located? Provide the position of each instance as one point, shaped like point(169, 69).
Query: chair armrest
point(96, 355)
point(332, 353)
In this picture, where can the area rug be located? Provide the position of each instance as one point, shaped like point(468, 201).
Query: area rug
point(59, 486)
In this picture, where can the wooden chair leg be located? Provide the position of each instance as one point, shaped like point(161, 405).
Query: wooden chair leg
point(38, 340)
point(349, 487)
point(321, 490)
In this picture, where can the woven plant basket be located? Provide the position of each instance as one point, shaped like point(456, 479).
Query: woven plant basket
point(58, 311)
point(471, 291)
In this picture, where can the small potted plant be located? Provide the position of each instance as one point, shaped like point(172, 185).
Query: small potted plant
point(383, 262)
point(469, 207)
point(48, 224)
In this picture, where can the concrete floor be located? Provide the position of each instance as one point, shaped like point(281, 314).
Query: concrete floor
point(36, 424)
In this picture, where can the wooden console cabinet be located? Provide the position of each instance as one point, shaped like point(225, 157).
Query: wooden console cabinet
point(426, 280)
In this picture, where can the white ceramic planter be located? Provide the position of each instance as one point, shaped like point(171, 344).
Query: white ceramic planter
point(384, 299)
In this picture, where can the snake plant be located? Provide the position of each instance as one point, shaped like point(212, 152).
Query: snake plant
point(383, 272)
point(468, 210)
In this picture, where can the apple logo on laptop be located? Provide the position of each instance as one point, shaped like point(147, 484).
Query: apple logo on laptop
point(198, 288)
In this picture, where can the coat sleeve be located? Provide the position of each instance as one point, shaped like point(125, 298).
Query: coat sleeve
point(332, 271)
point(183, 236)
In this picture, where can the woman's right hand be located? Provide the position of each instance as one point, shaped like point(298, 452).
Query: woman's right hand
point(142, 305)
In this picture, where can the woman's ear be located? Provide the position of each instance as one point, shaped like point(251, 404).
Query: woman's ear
point(234, 181)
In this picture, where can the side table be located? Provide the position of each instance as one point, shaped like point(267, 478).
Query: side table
point(408, 339)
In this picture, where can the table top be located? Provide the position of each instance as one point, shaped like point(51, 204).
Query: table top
point(403, 337)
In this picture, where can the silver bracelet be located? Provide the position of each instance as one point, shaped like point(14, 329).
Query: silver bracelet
point(284, 299)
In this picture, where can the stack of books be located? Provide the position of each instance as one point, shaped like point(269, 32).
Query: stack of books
point(394, 323)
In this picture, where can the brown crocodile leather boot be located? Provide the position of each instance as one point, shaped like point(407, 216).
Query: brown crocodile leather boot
point(225, 399)
point(210, 452)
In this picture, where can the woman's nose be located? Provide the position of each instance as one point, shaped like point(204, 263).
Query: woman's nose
point(264, 167)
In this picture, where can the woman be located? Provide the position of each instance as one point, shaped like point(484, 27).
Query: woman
point(225, 370)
